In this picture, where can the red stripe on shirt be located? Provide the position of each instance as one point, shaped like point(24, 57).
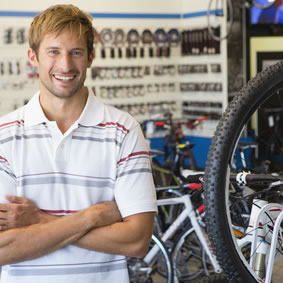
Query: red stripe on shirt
point(13, 122)
point(2, 158)
point(113, 124)
point(133, 154)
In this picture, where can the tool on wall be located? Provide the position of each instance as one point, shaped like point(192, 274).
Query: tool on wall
point(147, 39)
point(160, 38)
point(106, 39)
point(119, 41)
point(174, 39)
point(133, 39)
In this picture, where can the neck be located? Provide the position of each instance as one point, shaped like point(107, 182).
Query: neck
point(65, 111)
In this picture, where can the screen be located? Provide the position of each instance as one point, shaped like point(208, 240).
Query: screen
point(271, 15)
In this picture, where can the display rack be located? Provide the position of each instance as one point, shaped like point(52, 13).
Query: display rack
point(190, 83)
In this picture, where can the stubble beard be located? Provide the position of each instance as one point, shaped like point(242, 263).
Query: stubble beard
point(61, 94)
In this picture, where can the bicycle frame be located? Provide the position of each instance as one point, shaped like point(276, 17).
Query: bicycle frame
point(188, 212)
point(258, 232)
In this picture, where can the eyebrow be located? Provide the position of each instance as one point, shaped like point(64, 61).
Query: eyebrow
point(76, 48)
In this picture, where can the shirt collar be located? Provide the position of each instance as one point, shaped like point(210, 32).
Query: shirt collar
point(33, 112)
point(92, 114)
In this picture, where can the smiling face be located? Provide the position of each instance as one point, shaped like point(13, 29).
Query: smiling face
point(62, 62)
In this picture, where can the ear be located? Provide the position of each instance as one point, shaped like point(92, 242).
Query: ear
point(32, 57)
point(90, 59)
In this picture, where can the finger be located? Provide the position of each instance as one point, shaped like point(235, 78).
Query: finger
point(3, 215)
point(4, 207)
point(3, 222)
point(3, 227)
point(15, 199)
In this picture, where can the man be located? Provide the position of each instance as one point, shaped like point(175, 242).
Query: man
point(76, 194)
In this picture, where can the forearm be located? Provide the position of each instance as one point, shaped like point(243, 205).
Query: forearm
point(130, 237)
point(52, 233)
point(36, 240)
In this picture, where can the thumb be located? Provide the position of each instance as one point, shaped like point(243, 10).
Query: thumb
point(15, 199)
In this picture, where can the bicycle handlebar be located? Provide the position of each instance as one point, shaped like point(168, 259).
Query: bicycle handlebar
point(242, 178)
point(197, 178)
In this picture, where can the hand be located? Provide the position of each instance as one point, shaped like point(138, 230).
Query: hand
point(104, 213)
point(19, 212)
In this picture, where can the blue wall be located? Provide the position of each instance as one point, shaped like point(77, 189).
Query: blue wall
point(200, 149)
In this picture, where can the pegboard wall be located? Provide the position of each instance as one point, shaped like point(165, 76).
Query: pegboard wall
point(150, 57)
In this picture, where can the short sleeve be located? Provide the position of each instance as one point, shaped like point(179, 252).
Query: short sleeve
point(134, 189)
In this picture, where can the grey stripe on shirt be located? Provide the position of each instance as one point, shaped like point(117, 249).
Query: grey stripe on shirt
point(97, 139)
point(66, 180)
point(35, 136)
point(65, 271)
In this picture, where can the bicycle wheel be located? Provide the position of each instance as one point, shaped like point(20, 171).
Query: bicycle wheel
point(160, 175)
point(228, 206)
point(189, 257)
point(214, 278)
point(155, 267)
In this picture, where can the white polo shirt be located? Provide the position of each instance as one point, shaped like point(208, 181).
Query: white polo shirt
point(103, 156)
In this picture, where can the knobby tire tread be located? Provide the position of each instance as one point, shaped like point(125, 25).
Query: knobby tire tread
point(226, 134)
point(213, 278)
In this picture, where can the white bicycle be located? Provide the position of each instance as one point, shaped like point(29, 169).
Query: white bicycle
point(185, 237)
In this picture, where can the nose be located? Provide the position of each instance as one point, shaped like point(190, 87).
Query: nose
point(66, 63)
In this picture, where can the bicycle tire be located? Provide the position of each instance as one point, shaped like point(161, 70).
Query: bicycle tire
point(160, 269)
point(265, 85)
point(189, 258)
point(213, 278)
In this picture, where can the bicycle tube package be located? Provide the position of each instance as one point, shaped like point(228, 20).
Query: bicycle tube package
point(228, 205)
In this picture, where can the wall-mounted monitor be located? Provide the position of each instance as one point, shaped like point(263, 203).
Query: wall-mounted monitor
point(272, 15)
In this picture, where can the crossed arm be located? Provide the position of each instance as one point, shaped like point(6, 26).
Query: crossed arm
point(28, 233)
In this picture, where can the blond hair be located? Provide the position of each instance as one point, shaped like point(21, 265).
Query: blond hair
point(59, 18)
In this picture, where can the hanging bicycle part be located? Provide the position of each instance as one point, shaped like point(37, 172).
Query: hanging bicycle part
point(219, 12)
point(160, 38)
point(133, 39)
point(106, 39)
point(119, 41)
point(147, 39)
point(174, 38)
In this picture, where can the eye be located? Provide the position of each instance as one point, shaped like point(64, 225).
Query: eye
point(77, 53)
point(53, 51)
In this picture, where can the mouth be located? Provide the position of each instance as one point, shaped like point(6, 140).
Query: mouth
point(64, 78)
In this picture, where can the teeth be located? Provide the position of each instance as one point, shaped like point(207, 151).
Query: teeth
point(64, 78)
